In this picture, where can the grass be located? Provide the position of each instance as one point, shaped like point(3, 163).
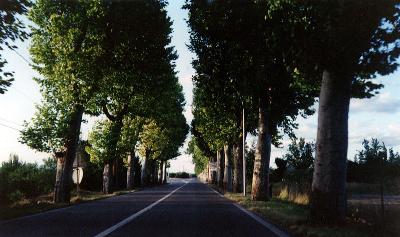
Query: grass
point(390, 188)
point(292, 215)
point(44, 203)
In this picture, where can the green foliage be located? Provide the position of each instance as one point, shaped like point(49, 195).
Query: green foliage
point(179, 175)
point(152, 140)
point(244, 59)
point(46, 131)
point(199, 159)
point(19, 179)
point(373, 163)
point(68, 49)
point(11, 29)
point(300, 155)
point(295, 168)
point(250, 156)
point(140, 95)
point(336, 39)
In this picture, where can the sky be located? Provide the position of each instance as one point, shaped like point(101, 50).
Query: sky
point(378, 117)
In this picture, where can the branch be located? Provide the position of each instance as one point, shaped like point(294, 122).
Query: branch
point(107, 113)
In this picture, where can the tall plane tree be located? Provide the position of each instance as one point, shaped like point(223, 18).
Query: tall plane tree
point(349, 42)
point(259, 38)
point(67, 50)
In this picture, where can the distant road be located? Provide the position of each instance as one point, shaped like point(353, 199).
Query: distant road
point(181, 208)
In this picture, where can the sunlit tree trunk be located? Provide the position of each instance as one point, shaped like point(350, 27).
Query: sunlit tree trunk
point(63, 183)
point(260, 185)
point(107, 178)
point(144, 174)
point(328, 198)
point(238, 166)
point(227, 169)
point(164, 181)
point(130, 172)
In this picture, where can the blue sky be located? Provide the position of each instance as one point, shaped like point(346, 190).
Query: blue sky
point(378, 117)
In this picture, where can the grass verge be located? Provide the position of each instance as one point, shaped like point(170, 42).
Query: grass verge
point(295, 219)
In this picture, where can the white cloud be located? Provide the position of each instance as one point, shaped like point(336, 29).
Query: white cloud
point(382, 103)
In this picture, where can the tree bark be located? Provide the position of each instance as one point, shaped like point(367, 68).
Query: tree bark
point(116, 128)
point(238, 166)
point(62, 187)
point(130, 173)
point(144, 176)
point(227, 169)
point(117, 168)
point(161, 168)
point(107, 179)
point(164, 173)
point(260, 185)
point(220, 168)
point(209, 178)
point(328, 198)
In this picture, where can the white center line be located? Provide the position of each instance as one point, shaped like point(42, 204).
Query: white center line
point(136, 215)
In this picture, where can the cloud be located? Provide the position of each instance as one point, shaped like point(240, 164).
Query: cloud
point(188, 114)
point(382, 103)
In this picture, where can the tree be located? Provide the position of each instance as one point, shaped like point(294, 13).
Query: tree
point(152, 142)
point(373, 158)
point(219, 93)
point(199, 159)
point(11, 29)
point(300, 155)
point(67, 50)
point(257, 65)
point(346, 52)
point(45, 132)
point(142, 69)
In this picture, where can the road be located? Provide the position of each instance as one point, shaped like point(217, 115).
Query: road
point(180, 208)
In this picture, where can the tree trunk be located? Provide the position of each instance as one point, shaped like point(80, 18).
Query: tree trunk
point(144, 176)
point(130, 173)
point(107, 179)
point(116, 128)
point(161, 168)
point(165, 173)
point(227, 172)
point(117, 173)
point(238, 166)
point(220, 168)
point(328, 198)
point(153, 170)
point(209, 179)
point(260, 185)
point(62, 187)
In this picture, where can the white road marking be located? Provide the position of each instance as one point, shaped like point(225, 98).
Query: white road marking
point(136, 215)
point(269, 226)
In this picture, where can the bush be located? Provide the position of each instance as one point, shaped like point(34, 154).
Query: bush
point(19, 179)
point(15, 196)
point(181, 175)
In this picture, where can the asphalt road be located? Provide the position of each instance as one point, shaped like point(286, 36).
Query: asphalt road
point(181, 208)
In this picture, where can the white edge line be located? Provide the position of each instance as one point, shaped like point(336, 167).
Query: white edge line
point(269, 226)
point(137, 214)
